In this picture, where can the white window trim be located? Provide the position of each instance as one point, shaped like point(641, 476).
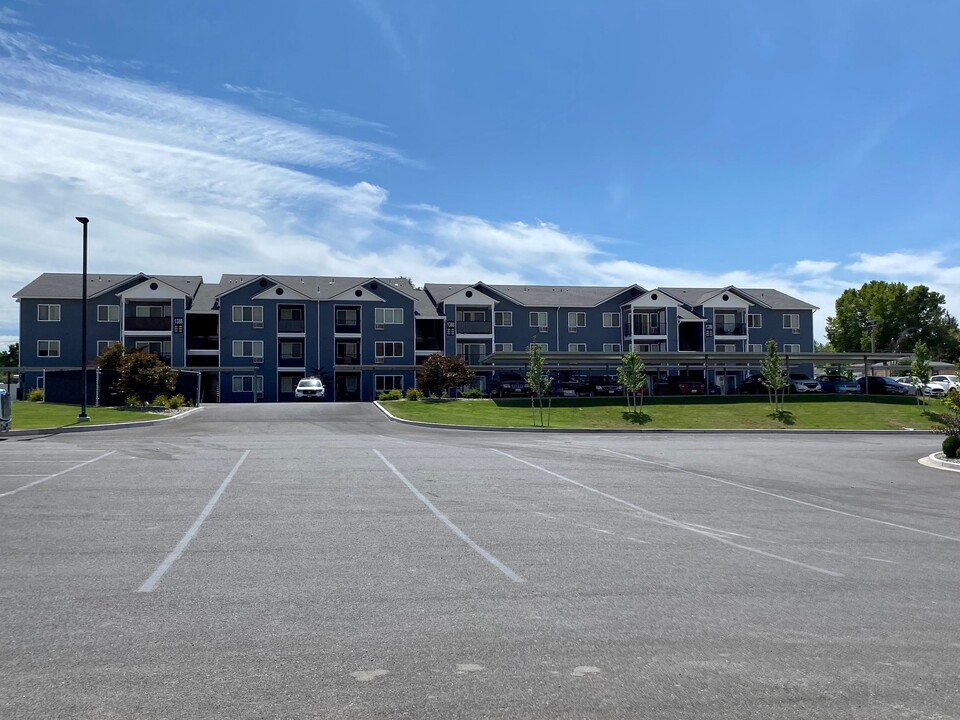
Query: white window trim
point(381, 315)
point(786, 322)
point(296, 343)
point(577, 347)
point(759, 318)
point(612, 347)
point(725, 347)
point(791, 347)
point(611, 319)
point(381, 345)
point(256, 313)
point(113, 313)
point(258, 384)
point(505, 315)
point(49, 307)
point(377, 384)
point(755, 347)
point(574, 318)
point(238, 344)
point(503, 347)
point(536, 322)
point(50, 343)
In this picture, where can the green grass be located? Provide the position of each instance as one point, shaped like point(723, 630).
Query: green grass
point(33, 416)
point(828, 412)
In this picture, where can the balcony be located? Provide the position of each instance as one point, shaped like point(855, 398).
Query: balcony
point(474, 327)
point(348, 359)
point(203, 343)
point(291, 326)
point(149, 324)
point(730, 330)
point(347, 328)
point(472, 358)
point(646, 330)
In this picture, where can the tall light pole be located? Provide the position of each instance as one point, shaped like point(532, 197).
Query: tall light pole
point(82, 417)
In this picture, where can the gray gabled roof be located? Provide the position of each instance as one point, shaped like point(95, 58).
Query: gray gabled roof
point(536, 295)
point(765, 297)
point(326, 287)
point(69, 286)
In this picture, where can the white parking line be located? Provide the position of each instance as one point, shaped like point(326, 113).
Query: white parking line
point(154, 579)
point(673, 523)
point(56, 474)
point(783, 497)
point(446, 521)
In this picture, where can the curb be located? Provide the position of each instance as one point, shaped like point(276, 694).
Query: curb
point(94, 428)
point(652, 431)
point(932, 461)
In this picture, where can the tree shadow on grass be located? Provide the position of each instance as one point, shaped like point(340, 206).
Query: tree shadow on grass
point(784, 416)
point(636, 418)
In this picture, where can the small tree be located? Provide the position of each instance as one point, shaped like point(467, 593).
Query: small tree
point(774, 376)
point(10, 358)
point(539, 382)
point(633, 376)
point(439, 373)
point(920, 369)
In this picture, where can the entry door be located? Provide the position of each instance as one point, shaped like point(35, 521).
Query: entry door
point(348, 386)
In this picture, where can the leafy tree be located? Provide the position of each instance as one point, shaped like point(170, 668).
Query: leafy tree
point(920, 369)
point(773, 375)
point(139, 373)
point(889, 316)
point(10, 357)
point(633, 376)
point(822, 347)
point(440, 373)
point(539, 381)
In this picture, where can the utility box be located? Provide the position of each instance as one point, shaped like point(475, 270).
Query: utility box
point(6, 410)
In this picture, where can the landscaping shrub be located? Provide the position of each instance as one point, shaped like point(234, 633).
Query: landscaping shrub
point(161, 401)
point(414, 394)
point(176, 402)
point(133, 401)
point(951, 446)
point(472, 393)
point(35, 395)
point(390, 395)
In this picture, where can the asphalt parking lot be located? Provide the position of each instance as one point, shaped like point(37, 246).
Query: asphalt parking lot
point(318, 561)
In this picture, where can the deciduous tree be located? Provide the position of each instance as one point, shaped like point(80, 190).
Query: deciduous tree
point(440, 373)
point(632, 375)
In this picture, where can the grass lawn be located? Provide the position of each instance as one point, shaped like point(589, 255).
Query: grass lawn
point(834, 412)
point(33, 416)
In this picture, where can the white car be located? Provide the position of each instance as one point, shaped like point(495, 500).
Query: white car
point(310, 388)
point(946, 381)
point(930, 389)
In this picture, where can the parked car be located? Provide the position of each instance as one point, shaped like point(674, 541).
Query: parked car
point(916, 387)
point(837, 384)
point(876, 385)
point(679, 385)
point(598, 385)
point(509, 384)
point(800, 383)
point(752, 385)
point(309, 388)
point(946, 381)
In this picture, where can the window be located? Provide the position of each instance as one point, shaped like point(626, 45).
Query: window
point(791, 321)
point(348, 353)
point(161, 348)
point(104, 345)
point(248, 348)
point(543, 346)
point(576, 319)
point(48, 313)
point(383, 383)
point(108, 313)
point(152, 311)
point(347, 316)
point(755, 348)
point(754, 321)
point(247, 313)
point(503, 347)
point(538, 319)
point(48, 348)
point(388, 349)
point(612, 347)
point(244, 383)
point(291, 313)
point(503, 319)
point(727, 321)
point(471, 352)
point(576, 347)
point(647, 347)
point(611, 319)
point(388, 316)
point(726, 347)
point(472, 315)
point(791, 348)
point(646, 323)
point(288, 383)
point(291, 350)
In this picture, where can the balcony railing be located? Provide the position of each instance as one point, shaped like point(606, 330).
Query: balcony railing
point(290, 326)
point(730, 330)
point(148, 323)
point(477, 327)
point(646, 329)
point(351, 359)
point(347, 328)
point(204, 343)
point(472, 358)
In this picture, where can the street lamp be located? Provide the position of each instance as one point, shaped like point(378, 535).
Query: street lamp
point(82, 417)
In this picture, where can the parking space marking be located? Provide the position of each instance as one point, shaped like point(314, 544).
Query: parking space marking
point(669, 521)
point(449, 523)
point(152, 581)
point(44, 478)
point(751, 488)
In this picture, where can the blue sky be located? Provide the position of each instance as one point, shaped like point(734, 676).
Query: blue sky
point(807, 146)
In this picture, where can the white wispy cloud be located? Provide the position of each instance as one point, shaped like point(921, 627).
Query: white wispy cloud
point(898, 264)
point(375, 10)
point(812, 267)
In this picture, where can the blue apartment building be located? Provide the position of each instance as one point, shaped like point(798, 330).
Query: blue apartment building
point(250, 338)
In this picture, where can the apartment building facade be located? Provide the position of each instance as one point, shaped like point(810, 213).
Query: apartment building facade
point(250, 338)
